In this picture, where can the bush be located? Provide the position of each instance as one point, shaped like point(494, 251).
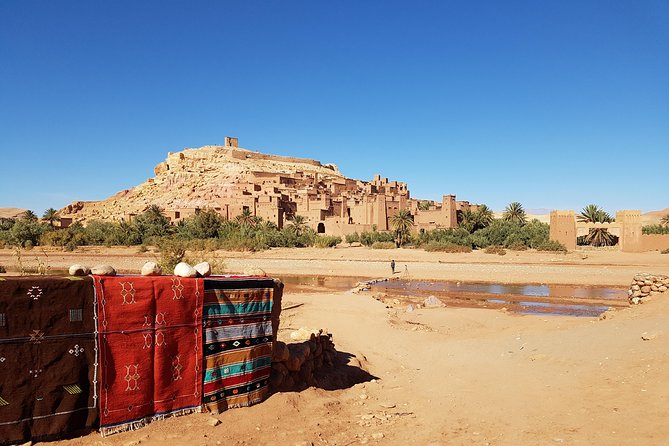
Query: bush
point(519, 246)
point(172, 251)
point(352, 238)
point(494, 249)
point(446, 247)
point(326, 241)
point(2, 269)
point(383, 245)
point(665, 251)
point(369, 238)
point(655, 229)
point(552, 245)
point(457, 236)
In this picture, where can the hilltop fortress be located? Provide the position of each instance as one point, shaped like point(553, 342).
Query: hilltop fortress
point(230, 180)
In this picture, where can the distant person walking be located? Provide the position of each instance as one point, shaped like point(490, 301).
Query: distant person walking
point(392, 266)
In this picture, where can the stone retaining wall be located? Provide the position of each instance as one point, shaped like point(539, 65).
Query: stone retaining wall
point(294, 365)
point(645, 284)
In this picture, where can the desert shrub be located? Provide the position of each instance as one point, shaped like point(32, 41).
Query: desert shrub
point(494, 249)
point(369, 238)
point(509, 233)
point(326, 241)
point(552, 245)
point(446, 247)
point(352, 238)
point(517, 246)
point(665, 251)
point(2, 269)
point(457, 236)
point(383, 245)
point(172, 251)
point(142, 249)
point(243, 244)
point(655, 229)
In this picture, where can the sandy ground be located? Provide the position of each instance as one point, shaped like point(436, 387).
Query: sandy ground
point(449, 376)
point(579, 267)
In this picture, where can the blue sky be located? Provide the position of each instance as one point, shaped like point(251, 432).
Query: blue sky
point(553, 104)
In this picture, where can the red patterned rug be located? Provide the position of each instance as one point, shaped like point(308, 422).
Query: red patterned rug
point(150, 349)
point(48, 357)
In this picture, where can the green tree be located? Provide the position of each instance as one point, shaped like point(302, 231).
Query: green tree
point(298, 225)
point(514, 212)
point(152, 223)
point(203, 225)
point(472, 221)
point(246, 218)
point(29, 216)
point(594, 214)
point(50, 215)
point(402, 222)
point(597, 236)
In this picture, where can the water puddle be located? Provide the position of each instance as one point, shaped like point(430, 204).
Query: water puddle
point(547, 300)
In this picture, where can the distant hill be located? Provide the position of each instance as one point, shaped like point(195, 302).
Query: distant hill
point(654, 217)
point(11, 212)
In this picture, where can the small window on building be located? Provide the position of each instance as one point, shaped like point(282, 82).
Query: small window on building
point(321, 228)
point(3, 320)
point(177, 214)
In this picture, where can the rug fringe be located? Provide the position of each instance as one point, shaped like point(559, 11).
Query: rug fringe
point(142, 422)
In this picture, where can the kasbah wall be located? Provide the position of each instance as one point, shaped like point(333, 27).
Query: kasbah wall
point(564, 228)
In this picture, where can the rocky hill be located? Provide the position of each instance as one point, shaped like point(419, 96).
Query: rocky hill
point(196, 178)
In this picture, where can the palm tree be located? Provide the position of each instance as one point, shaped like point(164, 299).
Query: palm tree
point(298, 225)
point(514, 212)
point(665, 220)
point(594, 214)
point(485, 216)
point(597, 236)
point(246, 218)
point(402, 222)
point(50, 215)
point(29, 215)
point(424, 205)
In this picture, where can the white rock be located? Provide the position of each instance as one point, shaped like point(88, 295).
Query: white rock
point(203, 269)
point(433, 302)
point(254, 271)
point(103, 270)
point(79, 270)
point(151, 269)
point(183, 269)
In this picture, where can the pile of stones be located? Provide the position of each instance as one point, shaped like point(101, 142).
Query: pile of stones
point(645, 284)
point(294, 364)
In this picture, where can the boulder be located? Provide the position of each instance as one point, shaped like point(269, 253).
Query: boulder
point(79, 270)
point(103, 270)
point(183, 269)
point(203, 269)
point(645, 289)
point(433, 302)
point(151, 269)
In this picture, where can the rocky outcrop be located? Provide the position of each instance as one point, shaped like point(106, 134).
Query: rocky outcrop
point(294, 365)
point(645, 284)
point(197, 178)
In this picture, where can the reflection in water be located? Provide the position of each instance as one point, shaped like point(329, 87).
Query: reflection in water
point(547, 300)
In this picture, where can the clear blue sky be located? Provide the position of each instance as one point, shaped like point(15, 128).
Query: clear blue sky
point(553, 104)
